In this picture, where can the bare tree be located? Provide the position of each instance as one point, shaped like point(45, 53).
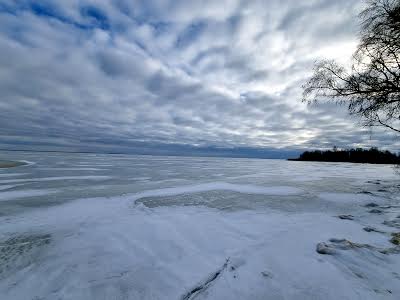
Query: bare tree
point(371, 88)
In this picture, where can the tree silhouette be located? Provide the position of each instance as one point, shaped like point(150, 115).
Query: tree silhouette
point(371, 88)
point(358, 155)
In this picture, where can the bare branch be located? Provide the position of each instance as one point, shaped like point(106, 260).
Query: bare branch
point(372, 87)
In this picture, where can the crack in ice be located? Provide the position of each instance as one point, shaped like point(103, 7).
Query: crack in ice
point(206, 284)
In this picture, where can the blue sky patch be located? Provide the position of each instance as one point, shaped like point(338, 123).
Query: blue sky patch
point(96, 17)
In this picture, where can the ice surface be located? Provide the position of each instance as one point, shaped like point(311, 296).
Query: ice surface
point(350, 198)
point(10, 195)
point(71, 169)
point(115, 247)
point(110, 250)
point(28, 162)
point(6, 187)
point(12, 174)
point(220, 186)
point(56, 178)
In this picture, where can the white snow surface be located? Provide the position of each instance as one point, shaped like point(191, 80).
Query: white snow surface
point(115, 247)
point(108, 249)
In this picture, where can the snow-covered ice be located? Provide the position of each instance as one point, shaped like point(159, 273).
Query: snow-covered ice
point(10, 195)
point(6, 187)
point(116, 246)
point(12, 174)
point(221, 186)
point(71, 169)
point(56, 178)
point(350, 198)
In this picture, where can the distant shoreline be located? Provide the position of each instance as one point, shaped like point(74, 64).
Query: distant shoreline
point(4, 164)
point(350, 162)
point(357, 156)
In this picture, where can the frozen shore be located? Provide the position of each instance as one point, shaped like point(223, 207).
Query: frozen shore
point(315, 238)
point(103, 248)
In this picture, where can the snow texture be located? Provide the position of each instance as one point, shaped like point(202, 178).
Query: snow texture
point(289, 245)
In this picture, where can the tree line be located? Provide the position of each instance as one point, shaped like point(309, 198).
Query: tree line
point(358, 155)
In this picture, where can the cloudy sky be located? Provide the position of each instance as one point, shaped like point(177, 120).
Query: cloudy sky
point(120, 74)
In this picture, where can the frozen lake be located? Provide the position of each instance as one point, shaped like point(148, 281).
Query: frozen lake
point(91, 226)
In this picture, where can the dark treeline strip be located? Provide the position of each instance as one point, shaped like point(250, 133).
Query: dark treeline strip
point(372, 156)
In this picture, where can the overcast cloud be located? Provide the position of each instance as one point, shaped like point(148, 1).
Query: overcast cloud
point(228, 73)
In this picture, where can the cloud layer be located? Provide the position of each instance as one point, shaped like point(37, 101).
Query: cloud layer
point(115, 73)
